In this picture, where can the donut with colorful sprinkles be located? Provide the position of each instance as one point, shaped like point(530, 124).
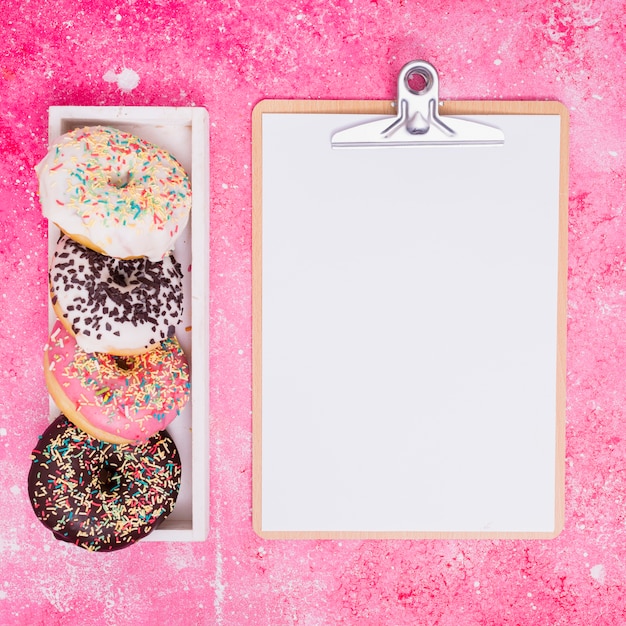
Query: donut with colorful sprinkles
point(100, 496)
point(119, 306)
point(116, 399)
point(114, 192)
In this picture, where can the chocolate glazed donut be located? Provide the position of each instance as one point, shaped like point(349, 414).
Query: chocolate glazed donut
point(101, 496)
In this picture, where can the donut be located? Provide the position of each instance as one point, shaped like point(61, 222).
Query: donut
point(122, 307)
point(116, 399)
point(100, 496)
point(114, 192)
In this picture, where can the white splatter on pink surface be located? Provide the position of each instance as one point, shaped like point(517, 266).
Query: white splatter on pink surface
point(126, 80)
point(226, 56)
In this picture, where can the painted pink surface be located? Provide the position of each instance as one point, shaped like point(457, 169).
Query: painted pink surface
point(226, 56)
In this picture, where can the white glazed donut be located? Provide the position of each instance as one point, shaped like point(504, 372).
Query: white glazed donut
point(118, 306)
point(114, 192)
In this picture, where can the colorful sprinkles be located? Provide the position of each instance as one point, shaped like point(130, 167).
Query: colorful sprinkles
point(131, 397)
point(123, 178)
point(100, 496)
point(125, 195)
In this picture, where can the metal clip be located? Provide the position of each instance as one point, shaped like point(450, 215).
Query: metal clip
point(418, 121)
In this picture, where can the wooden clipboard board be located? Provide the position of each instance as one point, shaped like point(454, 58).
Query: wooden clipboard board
point(302, 488)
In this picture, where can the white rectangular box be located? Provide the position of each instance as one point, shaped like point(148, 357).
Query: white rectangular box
point(184, 132)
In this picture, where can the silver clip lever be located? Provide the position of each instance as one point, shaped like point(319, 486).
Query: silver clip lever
point(418, 121)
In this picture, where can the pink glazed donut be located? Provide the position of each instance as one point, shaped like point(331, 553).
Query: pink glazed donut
point(116, 399)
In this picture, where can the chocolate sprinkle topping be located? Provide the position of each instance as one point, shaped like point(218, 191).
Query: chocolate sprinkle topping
point(129, 304)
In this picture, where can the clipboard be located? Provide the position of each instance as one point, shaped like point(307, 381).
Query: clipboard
point(409, 316)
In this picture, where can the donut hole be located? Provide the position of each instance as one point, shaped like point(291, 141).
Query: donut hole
point(119, 277)
point(110, 478)
point(119, 179)
point(125, 363)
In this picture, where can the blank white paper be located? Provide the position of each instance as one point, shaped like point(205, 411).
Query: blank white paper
point(409, 330)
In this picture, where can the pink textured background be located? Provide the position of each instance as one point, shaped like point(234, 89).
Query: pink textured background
point(226, 56)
